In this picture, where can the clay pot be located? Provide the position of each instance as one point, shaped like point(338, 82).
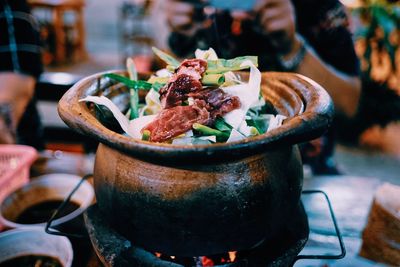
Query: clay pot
point(204, 199)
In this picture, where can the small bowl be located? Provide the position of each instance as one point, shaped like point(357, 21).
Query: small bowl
point(45, 188)
point(34, 241)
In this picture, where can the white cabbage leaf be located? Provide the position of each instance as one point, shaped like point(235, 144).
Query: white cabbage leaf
point(232, 78)
point(189, 133)
point(163, 73)
point(248, 93)
point(132, 128)
point(203, 140)
point(209, 54)
point(247, 130)
point(136, 125)
point(235, 136)
point(153, 103)
point(118, 115)
point(183, 141)
point(211, 138)
point(275, 122)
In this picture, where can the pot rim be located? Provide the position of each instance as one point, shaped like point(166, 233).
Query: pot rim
point(306, 125)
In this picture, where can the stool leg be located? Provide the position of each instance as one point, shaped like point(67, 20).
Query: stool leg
point(58, 19)
point(81, 34)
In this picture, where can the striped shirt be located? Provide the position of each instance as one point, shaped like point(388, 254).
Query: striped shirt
point(20, 47)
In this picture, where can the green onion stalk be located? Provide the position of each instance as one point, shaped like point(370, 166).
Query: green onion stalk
point(207, 131)
point(134, 87)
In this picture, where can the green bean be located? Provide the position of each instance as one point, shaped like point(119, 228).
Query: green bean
point(205, 130)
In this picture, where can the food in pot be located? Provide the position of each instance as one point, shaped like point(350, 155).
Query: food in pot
point(196, 101)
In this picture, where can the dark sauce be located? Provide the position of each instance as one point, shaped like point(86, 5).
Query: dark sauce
point(32, 261)
point(41, 212)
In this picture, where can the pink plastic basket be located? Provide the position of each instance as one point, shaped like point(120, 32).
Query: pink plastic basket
point(15, 161)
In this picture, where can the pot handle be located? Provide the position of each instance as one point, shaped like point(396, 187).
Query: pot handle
point(52, 231)
point(338, 234)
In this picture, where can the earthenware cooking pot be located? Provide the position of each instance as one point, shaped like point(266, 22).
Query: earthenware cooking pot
point(203, 199)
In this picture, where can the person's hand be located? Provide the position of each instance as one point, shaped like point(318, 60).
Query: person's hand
point(6, 137)
point(16, 90)
point(7, 133)
point(277, 19)
point(180, 16)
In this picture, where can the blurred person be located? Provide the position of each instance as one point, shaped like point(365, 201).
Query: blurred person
point(20, 67)
point(309, 37)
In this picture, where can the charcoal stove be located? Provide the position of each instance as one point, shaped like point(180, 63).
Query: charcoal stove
point(113, 249)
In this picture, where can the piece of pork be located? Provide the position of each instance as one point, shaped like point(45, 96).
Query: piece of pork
point(176, 90)
point(176, 121)
point(218, 103)
point(193, 67)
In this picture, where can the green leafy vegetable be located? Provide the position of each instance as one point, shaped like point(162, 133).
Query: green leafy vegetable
point(221, 125)
point(106, 117)
point(260, 122)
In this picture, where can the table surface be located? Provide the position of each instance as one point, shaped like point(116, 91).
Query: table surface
point(351, 198)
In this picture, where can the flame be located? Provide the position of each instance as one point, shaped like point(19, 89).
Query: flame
point(232, 255)
point(206, 261)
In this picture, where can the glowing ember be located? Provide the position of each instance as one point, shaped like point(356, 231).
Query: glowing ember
point(202, 261)
point(206, 262)
point(232, 255)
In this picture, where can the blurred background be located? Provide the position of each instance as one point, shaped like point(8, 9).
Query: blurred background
point(83, 37)
point(100, 35)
